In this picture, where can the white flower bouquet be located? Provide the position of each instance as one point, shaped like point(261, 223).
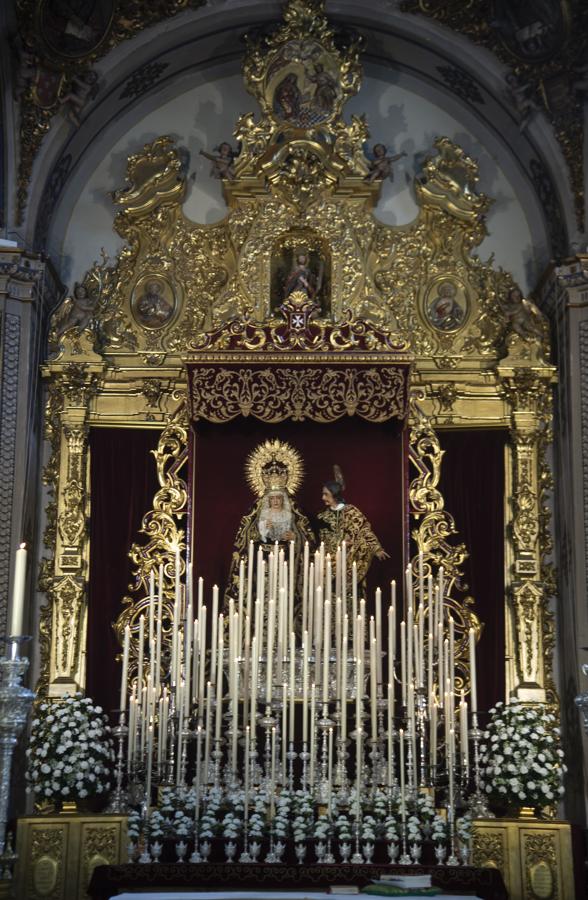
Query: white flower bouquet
point(71, 751)
point(521, 761)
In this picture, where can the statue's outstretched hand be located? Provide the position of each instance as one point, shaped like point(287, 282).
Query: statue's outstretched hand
point(381, 554)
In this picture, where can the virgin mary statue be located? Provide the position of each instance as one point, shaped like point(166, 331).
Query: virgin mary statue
point(274, 472)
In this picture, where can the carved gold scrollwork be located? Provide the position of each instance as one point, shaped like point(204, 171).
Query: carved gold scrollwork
point(165, 536)
point(433, 534)
point(279, 393)
point(527, 599)
point(67, 595)
point(488, 849)
point(71, 520)
point(540, 865)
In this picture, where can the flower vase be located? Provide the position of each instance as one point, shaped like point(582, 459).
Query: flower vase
point(393, 849)
point(300, 851)
point(345, 851)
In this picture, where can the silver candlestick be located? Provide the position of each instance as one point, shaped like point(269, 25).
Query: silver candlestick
point(119, 801)
point(15, 703)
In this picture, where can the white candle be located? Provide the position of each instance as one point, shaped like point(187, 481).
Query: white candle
point(249, 580)
point(305, 651)
point(473, 681)
point(344, 651)
point(202, 647)
point(292, 684)
point(254, 683)
point(219, 680)
point(305, 589)
point(151, 608)
point(240, 607)
point(213, 642)
point(141, 650)
point(326, 646)
point(208, 727)
point(158, 626)
point(270, 651)
point(403, 661)
point(379, 637)
point(125, 670)
point(373, 683)
point(18, 592)
point(246, 786)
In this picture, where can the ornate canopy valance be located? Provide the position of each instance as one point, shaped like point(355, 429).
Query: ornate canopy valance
point(298, 367)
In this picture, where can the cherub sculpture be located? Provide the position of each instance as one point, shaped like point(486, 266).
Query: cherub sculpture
point(77, 310)
point(381, 164)
point(223, 159)
point(524, 317)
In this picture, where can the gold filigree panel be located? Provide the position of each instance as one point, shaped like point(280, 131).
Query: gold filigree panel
point(277, 393)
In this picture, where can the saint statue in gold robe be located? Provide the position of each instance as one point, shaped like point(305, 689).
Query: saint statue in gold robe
point(274, 472)
point(341, 521)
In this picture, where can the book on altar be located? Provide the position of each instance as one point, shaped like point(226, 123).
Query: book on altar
point(407, 881)
point(343, 889)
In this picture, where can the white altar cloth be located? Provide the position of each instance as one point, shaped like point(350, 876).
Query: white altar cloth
point(266, 895)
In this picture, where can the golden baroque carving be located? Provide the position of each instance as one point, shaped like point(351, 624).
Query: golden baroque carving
point(279, 393)
point(71, 520)
point(435, 528)
point(528, 602)
point(488, 849)
point(540, 865)
point(163, 531)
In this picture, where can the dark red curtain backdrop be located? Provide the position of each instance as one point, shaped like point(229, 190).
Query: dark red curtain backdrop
point(370, 456)
point(472, 483)
point(123, 482)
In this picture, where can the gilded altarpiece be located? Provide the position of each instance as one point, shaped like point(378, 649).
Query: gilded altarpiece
point(301, 189)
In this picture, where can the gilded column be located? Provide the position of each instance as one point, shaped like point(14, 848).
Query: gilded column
point(65, 577)
point(527, 388)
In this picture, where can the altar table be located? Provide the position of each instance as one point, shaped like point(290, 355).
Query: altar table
point(272, 895)
point(221, 881)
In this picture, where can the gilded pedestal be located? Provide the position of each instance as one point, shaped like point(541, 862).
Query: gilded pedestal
point(57, 854)
point(533, 855)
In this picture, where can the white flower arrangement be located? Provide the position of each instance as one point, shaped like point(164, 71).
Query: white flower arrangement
point(439, 830)
point(521, 761)
point(71, 752)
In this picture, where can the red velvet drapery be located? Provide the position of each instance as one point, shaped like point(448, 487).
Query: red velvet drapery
point(472, 483)
point(123, 482)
